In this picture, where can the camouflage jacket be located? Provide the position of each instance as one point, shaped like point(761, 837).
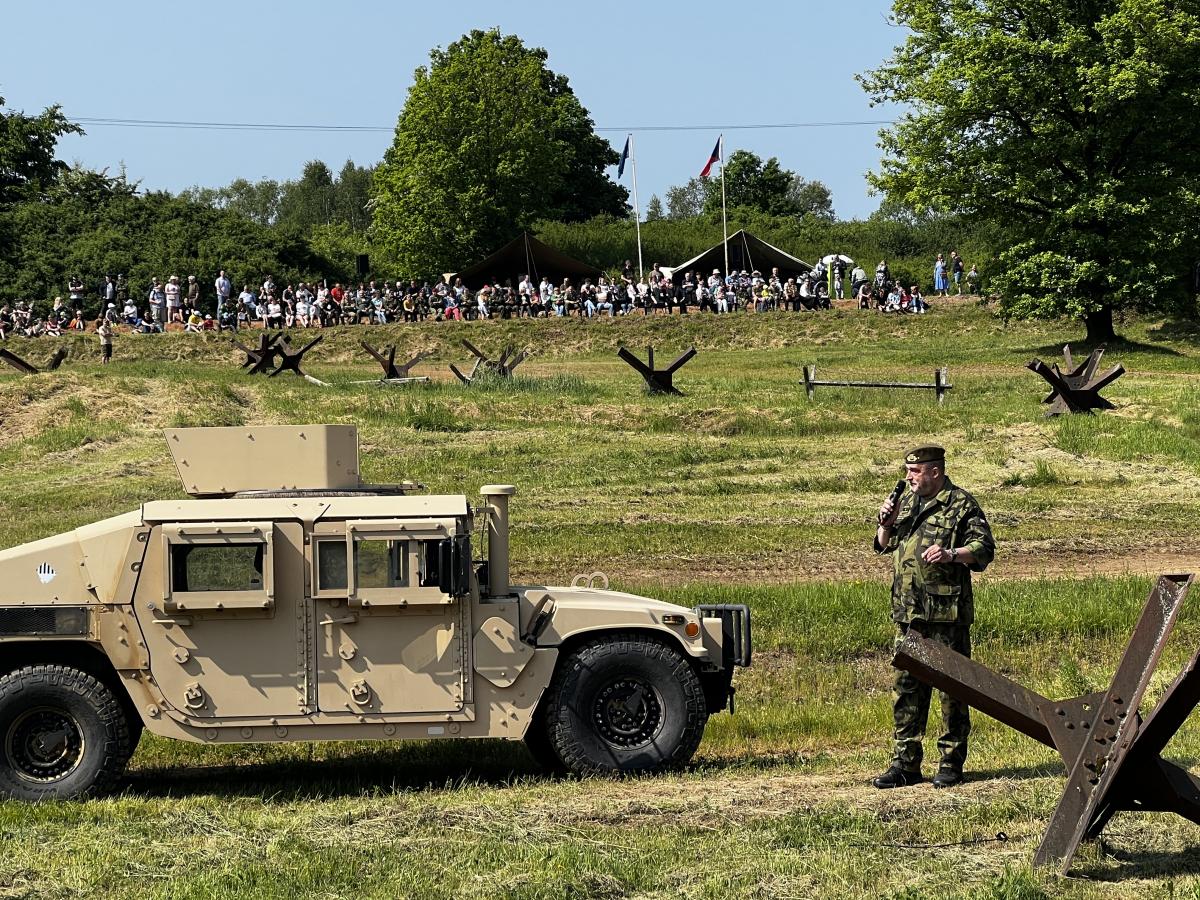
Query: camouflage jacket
point(937, 592)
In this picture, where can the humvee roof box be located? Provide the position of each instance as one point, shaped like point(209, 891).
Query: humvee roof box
point(220, 462)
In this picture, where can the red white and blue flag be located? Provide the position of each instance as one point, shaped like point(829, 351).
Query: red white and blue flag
point(624, 156)
point(716, 157)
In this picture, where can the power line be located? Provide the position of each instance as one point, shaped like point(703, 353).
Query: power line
point(108, 122)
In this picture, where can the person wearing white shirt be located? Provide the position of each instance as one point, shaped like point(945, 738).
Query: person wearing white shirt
point(174, 306)
point(224, 289)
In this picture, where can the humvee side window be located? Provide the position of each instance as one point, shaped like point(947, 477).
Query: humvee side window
point(394, 562)
point(331, 565)
point(380, 564)
point(217, 567)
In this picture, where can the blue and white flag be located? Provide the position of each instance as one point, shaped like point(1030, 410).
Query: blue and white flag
point(624, 156)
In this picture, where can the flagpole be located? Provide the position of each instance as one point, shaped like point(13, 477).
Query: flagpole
point(637, 215)
point(724, 221)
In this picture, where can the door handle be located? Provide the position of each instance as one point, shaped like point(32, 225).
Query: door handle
point(344, 620)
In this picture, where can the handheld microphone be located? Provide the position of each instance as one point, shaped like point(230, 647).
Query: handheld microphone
point(895, 495)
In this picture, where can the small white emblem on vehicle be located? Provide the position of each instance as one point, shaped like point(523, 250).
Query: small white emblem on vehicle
point(46, 573)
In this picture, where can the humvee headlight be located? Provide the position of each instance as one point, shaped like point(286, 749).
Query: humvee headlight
point(672, 619)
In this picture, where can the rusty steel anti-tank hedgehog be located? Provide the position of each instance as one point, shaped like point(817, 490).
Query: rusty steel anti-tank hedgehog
point(294, 603)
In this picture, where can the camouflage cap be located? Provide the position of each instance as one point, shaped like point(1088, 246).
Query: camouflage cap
point(928, 454)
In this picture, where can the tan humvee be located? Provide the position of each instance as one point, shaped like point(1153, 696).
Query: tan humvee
point(290, 602)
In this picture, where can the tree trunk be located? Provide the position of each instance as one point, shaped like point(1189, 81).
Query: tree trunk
point(1100, 326)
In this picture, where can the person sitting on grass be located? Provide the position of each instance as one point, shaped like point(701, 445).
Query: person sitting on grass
point(865, 295)
point(193, 322)
point(604, 304)
point(892, 303)
point(721, 299)
point(918, 302)
point(147, 325)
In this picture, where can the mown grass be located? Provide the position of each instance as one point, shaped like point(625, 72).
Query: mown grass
point(740, 491)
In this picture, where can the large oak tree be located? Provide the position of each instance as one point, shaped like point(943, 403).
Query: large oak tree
point(490, 141)
point(1072, 124)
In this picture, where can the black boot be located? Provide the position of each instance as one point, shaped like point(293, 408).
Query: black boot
point(947, 776)
point(896, 777)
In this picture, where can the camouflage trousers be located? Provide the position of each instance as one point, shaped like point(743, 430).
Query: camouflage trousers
point(910, 706)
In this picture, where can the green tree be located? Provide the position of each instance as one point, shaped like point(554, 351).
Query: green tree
point(751, 182)
point(753, 185)
point(490, 140)
point(686, 201)
point(28, 166)
point(310, 201)
point(257, 201)
point(766, 187)
point(654, 209)
point(352, 197)
point(809, 198)
point(1073, 124)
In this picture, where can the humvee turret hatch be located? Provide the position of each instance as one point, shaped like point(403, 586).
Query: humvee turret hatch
point(286, 600)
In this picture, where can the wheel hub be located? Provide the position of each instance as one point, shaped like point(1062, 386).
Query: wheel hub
point(44, 744)
point(626, 712)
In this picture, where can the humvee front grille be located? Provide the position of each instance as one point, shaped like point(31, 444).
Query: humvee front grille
point(37, 620)
point(735, 629)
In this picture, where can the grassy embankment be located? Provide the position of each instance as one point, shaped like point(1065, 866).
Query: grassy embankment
point(741, 491)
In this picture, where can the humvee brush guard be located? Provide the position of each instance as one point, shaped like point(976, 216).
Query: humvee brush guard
point(288, 601)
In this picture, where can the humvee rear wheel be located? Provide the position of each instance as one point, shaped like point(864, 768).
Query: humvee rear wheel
point(627, 703)
point(62, 734)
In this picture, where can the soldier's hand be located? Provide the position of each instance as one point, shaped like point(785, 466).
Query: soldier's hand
point(936, 553)
point(888, 513)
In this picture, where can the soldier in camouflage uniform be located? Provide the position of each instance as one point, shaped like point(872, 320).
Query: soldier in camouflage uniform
point(937, 535)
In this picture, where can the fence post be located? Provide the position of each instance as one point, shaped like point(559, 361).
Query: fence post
point(810, 375)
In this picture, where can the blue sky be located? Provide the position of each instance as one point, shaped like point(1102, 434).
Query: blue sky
point(631, 64)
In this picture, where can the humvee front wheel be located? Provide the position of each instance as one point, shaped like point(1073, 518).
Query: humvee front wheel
point(626, 703)
point(63, 734)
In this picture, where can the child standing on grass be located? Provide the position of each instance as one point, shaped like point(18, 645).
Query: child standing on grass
point(105, 332)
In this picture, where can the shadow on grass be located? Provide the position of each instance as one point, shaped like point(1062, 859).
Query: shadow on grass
point(1017, 773)
point(1080, 349)
point(1140, 864)
point(353, 772)
point(364, 771)
point(1177, 330)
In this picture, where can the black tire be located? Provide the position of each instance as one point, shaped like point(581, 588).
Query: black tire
point(625, 703)
point(63, 734)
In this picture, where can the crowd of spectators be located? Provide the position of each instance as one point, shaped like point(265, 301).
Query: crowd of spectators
point(175, 304)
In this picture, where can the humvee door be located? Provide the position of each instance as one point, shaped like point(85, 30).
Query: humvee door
point(389, 600)
point(221, 608)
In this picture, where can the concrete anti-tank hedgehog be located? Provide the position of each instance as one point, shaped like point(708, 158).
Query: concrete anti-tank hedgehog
point(291, 602)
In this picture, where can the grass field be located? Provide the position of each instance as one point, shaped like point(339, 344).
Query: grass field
point(741, 491)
